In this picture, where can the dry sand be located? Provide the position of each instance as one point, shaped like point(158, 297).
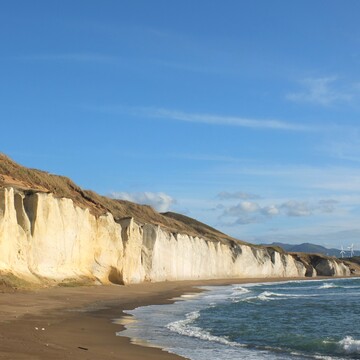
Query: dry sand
point(76, 323)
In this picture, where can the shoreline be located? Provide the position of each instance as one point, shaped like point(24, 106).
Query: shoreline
point(82, 322)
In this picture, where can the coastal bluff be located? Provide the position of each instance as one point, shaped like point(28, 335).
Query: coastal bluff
point(53, 232)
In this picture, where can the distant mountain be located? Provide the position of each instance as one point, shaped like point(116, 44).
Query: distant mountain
point(312, 249)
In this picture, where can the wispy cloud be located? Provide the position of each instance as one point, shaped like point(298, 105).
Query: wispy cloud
point(159, 201)
point(305, 208)
point(248, 212)
point(324, 91)
point(296, 208)
point(225, 195)
point(337, 178)
point(327, 206)
point(209, 119)
point(225, 120)
point(345, 146)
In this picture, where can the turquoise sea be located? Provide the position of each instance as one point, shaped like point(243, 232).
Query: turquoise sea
point(314, 319)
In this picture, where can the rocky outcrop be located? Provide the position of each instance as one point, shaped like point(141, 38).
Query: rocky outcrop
point(44, 238)
point(323, 267)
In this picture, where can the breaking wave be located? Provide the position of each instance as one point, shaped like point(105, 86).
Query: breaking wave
point(241, 290)
point(186, 327)
point(328, 286)
point(247, 321)
point(271, 296)
point(350, 345)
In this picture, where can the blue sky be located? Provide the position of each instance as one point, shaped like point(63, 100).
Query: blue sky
point(242, 114)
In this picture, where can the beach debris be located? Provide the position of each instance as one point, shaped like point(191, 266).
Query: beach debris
point(42, 329)
point(82, 348)
point(36, 328)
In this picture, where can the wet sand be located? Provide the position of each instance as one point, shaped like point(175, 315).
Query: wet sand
point(77, 323)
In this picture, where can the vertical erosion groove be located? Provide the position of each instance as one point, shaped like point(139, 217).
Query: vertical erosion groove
point(30, 206)
point(2, 203)
point(236, 251)
point(21, 216)
point(271, 254)
point(149, 238)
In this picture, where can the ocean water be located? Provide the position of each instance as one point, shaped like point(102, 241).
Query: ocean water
point(311, 319)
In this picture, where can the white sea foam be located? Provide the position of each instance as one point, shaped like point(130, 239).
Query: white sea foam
point(271, 296)
point(185, 327)
point(190, 340)
point(328, 286)
point(350, 345)
point(240, 290)
point(351, 287)
point(268, 295)
point(238, 293)
point(189, 296)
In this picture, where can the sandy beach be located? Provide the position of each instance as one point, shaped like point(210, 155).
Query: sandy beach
point(77, 322)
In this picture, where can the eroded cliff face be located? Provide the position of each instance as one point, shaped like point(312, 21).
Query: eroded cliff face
point(44, 238)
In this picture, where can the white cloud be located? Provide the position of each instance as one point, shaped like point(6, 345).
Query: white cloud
point(201, 118)
point(225, 195)
point(296, 208)
point(224, 120)
point(159, 201)
point(271, 210)
point(306, 208)
point(247, 212)
point(322, 91)
point(327, 206)
point(247, 207)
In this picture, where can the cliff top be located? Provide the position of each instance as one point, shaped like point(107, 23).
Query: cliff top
point(33, 180)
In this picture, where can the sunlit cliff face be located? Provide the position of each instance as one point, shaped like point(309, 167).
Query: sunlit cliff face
point(44, 238)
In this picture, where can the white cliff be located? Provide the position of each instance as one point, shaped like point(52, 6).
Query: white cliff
point(46, 238)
